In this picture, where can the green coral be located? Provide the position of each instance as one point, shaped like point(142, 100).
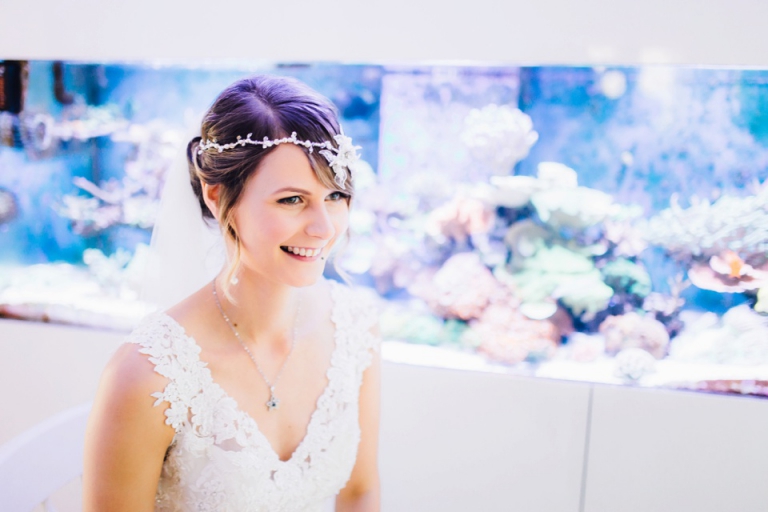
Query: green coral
point(422, 328)
point(453, 330)
point(627, 276)
point(560, 273)
point(585, 296)
point(558, 259)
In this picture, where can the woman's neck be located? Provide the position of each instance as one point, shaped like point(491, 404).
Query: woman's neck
point(263, 310)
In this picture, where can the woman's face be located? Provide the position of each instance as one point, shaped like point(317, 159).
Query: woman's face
point(285, 210)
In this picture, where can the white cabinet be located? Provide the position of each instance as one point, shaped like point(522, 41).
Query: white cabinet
point(666, 451)
point(455, 440)
point(469, 441)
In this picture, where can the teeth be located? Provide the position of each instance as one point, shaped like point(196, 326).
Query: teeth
point(301, 251)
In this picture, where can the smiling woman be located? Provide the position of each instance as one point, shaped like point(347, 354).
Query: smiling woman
point(259, 391)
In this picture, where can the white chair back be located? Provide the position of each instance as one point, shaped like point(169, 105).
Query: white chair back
point(41, 460)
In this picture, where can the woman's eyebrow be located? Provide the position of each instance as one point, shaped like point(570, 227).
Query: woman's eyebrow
point(293, 189)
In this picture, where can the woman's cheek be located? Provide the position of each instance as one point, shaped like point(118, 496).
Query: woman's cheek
point(342, 220)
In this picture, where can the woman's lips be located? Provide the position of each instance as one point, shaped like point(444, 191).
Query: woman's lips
point(309, 254)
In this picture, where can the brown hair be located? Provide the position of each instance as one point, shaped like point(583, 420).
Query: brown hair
point(265, 106)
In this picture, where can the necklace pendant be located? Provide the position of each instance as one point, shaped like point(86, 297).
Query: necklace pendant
point(273, 402)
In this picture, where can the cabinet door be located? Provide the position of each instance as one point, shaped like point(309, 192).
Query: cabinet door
point(455, 440)
point(667, 451)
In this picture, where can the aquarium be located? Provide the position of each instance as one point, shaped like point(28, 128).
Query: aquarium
point(602, 224)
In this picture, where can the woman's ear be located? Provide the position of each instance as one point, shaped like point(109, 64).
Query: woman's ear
point(211, 198)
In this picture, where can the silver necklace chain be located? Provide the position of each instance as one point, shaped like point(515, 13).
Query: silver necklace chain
point(273, 401)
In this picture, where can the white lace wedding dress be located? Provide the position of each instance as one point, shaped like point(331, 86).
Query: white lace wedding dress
point(220, 461)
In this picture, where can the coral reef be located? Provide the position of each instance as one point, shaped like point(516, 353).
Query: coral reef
point(761, 306)
point(506, 335)
point(135, 199)
point(576, 208)
point(738, 387)
point(625, 276)
point(462, 288)
point(405, 322)
point(705, 229)
point(525, 237)
point(399, 322)
point(632, 330)
point(632, 364)
point(120, 274)
point(728, 273)
point(559, 273)
point(499, 135)
point(538, 310)
point(41, 132)
point(458, 219)
point(584, 348)
point(626, 239)
point(8, 207)
point(512, 191)
point(517, 191)
point(739, 337)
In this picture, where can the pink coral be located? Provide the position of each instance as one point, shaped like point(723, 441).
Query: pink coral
point(635, 331)
point(507, 335)
point(742, 387)
point(728, 273)
point(462, 288)
point(460, 218)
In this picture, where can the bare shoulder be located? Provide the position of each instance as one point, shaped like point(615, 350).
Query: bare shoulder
point(125, 408)
point(130, 374)
point(125, 394)
point(127, 435)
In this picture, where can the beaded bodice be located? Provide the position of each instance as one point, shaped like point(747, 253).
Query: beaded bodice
point(219, 460)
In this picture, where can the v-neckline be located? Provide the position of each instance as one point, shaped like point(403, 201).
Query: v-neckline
point(247, 417)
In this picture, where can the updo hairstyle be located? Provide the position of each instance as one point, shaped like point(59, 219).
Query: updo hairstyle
point(266, 106)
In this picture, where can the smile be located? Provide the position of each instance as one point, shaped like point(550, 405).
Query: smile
point(302, 252)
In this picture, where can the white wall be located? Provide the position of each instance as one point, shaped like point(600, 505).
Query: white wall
point(710, 32)
point(46, 369)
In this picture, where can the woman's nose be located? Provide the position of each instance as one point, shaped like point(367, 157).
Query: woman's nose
point(320, 223)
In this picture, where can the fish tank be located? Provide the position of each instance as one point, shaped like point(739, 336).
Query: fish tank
point(599, 224)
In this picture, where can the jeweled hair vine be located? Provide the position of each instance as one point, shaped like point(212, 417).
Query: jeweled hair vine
point(341, 159)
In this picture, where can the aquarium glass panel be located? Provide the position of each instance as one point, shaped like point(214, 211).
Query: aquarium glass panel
point(596, 224)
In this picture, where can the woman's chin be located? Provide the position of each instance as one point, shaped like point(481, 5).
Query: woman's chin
point(305, 279)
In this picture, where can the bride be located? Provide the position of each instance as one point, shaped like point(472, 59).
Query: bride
point(260, 390)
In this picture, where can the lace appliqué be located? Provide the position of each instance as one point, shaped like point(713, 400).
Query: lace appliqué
point(219, 460)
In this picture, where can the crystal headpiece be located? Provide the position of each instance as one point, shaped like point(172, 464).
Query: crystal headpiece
point(341, 159)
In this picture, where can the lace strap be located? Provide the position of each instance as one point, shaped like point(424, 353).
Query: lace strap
point(355, 313)
point(176, 357)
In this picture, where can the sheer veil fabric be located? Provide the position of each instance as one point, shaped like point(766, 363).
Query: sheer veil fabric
point(185, 252)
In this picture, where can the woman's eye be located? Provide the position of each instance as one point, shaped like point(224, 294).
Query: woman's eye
point(338, 196)
point(290, 200)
